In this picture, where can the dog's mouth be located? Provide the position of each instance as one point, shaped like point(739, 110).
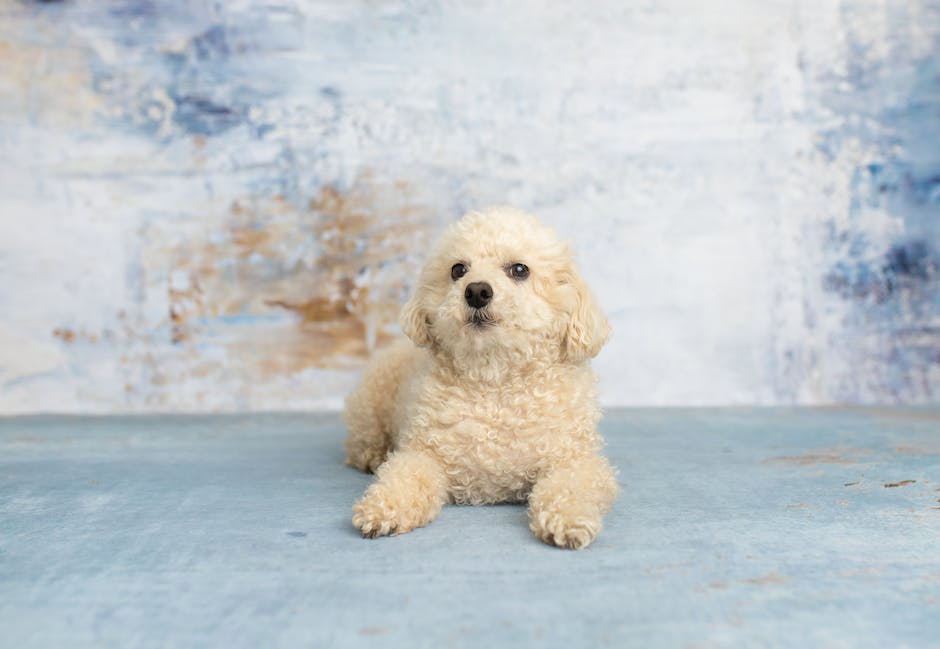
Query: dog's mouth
point(480, 320)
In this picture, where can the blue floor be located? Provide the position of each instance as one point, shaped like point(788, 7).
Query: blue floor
point(735, 528)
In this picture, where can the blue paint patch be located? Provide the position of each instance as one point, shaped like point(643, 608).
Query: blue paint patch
point(239, 319)
point(207, 50)
point(905, 268)
point(260, 130)
point(897, 182)
point(892, 106)
point(135, 9)
point(211, 44)
point(202, 116)
point(914, 261)
point(208, 94)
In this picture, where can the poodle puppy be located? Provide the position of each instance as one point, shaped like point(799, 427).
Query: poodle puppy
point(493, 398)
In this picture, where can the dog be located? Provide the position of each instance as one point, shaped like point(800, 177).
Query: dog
point(491, 398)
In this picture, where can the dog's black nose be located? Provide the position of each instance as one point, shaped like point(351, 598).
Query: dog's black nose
point(478, 294)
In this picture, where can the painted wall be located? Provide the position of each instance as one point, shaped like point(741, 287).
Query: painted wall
point(219, 206)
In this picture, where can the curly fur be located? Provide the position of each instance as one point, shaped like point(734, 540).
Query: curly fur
point(501, 409)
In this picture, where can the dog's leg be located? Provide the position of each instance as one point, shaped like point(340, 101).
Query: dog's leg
point(370, 408)
point(410, 490)
point(367, 416)
point(568, 503)
point(367, 443)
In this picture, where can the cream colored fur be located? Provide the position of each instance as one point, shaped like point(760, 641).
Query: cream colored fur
point(499, 413)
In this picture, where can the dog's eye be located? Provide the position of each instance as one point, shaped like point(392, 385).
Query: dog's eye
point(518, 271)
point(457, 271)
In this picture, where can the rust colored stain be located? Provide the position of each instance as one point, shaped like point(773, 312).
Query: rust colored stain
point(64, 334)
point(769, 578)
point(917, 450)
point(890, 414)
point(902, 483)
point(299, 348)
point(316, 309)
point(69, 335)
point(347, 302)
point(372, 630)
point(340, 263)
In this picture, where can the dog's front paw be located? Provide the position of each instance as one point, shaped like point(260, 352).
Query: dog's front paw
point(572, 533)
point(373, 517)
point(383, 512)
point(409, 493)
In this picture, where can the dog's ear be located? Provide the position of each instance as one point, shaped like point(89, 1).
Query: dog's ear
point(587, 329)
point(414, 320)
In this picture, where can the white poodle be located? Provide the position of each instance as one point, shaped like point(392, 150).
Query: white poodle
point(493, 399)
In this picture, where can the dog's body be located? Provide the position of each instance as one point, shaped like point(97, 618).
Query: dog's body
point(493, 398)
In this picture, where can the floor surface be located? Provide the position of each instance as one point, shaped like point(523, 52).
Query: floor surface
point(735, 528)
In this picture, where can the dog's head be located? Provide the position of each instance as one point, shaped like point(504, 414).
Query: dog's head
point(499, 279)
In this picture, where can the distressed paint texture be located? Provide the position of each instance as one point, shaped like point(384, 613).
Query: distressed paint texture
point(736, 528)
point(219, 206)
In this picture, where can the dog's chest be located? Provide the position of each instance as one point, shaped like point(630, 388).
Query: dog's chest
point(495, 443)
point(490, 458)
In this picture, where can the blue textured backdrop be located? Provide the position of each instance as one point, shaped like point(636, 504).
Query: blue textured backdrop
point(219, 206)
